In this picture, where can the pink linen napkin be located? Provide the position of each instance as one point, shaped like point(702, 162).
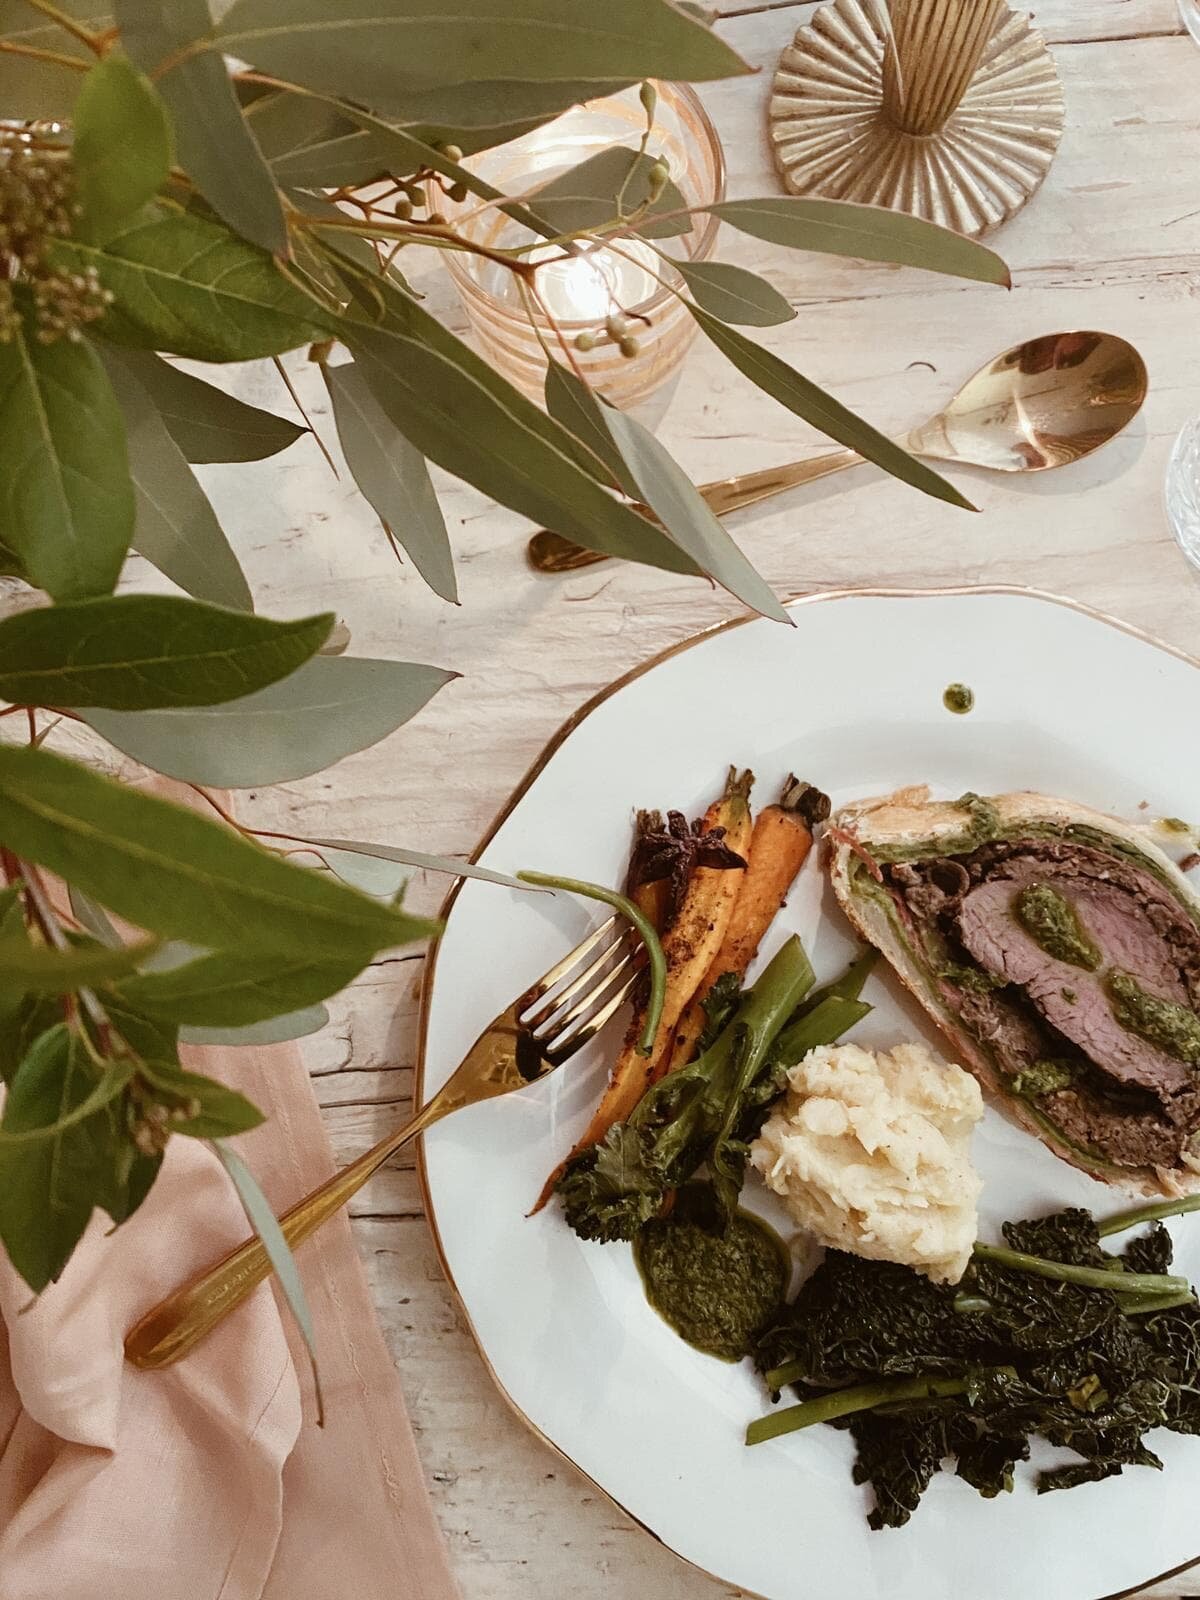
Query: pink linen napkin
point(209, 1480)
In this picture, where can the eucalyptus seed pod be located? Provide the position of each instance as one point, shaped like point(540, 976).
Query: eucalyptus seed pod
point(629, 346)
point(585, 341)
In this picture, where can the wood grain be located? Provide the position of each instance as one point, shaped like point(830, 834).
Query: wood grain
point(1112, 241)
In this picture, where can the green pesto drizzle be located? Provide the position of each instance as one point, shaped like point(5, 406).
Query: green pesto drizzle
point(1049, 919)
point(1171, 1027)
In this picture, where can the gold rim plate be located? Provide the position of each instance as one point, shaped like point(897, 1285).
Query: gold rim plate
point(514, 799)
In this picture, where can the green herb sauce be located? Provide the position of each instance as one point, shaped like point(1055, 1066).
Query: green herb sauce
point(1049, 918)
point(1171, 1027)
point(959, 699)
point(718, 1291)
point(1043, 1077)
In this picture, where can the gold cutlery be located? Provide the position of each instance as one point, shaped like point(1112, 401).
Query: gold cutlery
point(533, 1037)
point(1045, 403)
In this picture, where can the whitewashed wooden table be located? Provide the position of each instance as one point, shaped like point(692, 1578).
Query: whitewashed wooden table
point(1111, 242)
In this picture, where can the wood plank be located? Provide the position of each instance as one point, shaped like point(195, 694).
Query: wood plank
point(1060, 21)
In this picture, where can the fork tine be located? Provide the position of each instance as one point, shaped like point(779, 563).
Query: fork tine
point(560, 969)
point(564, 1019)
point(584, 981)
point(563, 1049)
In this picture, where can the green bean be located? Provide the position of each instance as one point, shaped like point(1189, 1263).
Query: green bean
point(654, 949)
point(864, 1397)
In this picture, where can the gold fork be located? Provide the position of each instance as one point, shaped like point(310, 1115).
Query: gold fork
point(544, 1026)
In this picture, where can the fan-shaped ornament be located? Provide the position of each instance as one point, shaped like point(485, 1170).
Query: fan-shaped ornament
point(949, 109)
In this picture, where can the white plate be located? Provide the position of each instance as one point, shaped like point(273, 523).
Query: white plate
point(851, 698)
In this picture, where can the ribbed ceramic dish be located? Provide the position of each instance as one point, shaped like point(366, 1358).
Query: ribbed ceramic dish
point(830, 138)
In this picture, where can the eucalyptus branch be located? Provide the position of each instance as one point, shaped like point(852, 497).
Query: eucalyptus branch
point(55, 57)
point(649, 99)
point(94, 41)
point(46, 918)
point(439, 235)
point(529, 291)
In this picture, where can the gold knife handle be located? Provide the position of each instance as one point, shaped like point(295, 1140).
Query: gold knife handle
point(551, 552)
point(176, 1326)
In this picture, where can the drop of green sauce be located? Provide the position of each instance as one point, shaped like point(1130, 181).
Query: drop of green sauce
point(959, 699)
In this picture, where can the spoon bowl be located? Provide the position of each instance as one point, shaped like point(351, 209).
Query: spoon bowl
point(1045, 403)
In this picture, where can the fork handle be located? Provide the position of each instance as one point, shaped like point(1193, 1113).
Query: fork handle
point(178, 1324)
point(552, 552)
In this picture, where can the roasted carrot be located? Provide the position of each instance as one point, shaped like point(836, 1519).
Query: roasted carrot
point(690, 944)
point(779, 847)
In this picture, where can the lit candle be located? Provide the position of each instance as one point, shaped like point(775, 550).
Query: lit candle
point(579, 290)
point(590, 286)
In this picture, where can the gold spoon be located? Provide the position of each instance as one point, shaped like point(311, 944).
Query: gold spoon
point(1042, 404)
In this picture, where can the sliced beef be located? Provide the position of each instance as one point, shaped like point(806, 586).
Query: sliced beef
point(1131, 1102)
point(1073, 1000)
point(1098, 874)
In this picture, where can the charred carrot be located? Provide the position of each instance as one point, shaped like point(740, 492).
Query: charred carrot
point(779, 847)
point(689, 946)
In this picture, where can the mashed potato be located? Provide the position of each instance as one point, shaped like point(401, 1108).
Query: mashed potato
point(872, 1154)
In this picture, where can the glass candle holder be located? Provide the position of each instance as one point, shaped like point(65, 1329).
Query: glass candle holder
point(581, 290)
point(1189, 10)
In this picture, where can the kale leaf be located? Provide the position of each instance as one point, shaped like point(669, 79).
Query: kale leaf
point(1058, 1360)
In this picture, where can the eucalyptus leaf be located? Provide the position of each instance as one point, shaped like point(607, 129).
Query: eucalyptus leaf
point(175, 873)
point(414, 858)
point(399, 150)
point(381, 51)
point(176, 528)
point(733, 294)
point(393, 476)
point(459, 412)
point(573, 404)
point(38, 969)
point(92, 917)
point(206, 423)
point(675, 500)
point(48, 1187)
point(801, 396)
point(492, 111)
point(276, 1030)
point(217, 1110)
point(327, 709)
point(66, 502)
point(262, 1219)
point(74, 1109)
point(586, 196)
point(867, 233)
point(352, 157)
point(187, 286)
point(216, 148)
point(136, 651)
point(225, 989)
point(122, 145)
point(285, 121)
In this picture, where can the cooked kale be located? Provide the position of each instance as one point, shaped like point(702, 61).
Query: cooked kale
point(1085, 1368)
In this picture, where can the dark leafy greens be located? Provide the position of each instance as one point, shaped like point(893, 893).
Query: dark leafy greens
point(1085, 1368)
